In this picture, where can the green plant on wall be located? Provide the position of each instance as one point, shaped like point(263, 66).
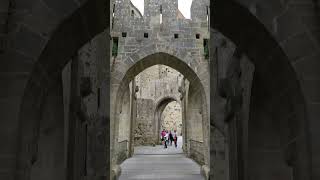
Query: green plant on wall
point(206, 48)
point(115, 47)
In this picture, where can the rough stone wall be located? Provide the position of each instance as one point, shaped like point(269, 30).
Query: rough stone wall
point(87, 58)
point(174, 31)
point(125, 118)
point(155, 82)
point(158, 33)
point(90, 130)
point(162, 34)
point(194, 115)
point(196, 151)
point(158, 81)
point(294, 24)
point(293, 50)
point(172, 117)
point(234, 74)
point(140, 39)
point(143, 132)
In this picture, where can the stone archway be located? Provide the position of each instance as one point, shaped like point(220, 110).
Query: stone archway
point(306, 69)
point(264, 11)
point(161, 104)
point(277, 100)
point(197, 95)
point(44, 83)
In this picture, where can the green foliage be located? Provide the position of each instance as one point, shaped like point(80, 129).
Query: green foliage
point(206, 52)
point(206, 48)
point(115, 47)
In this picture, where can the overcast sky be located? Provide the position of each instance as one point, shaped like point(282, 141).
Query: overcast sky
point(184, 6)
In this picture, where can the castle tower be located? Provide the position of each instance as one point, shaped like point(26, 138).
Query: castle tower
point(199, 10)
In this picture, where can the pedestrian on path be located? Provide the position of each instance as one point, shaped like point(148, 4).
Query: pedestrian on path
point(166, 138)
point(175, 138)
point(170, 138)
point(163, 133)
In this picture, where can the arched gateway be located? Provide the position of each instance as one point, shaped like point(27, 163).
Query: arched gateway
point(195, 100)
point(288, 74)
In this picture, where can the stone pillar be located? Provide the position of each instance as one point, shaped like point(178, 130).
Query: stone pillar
point(156, 126)
point(247, 71)
point(72, 124)
point(236, 89)
point(133, 116)
point(12, 127)
point(66, 83)
point(235, 149)
point(183, 99)
point(157, 121)
point(49, 161)
point(80, 153)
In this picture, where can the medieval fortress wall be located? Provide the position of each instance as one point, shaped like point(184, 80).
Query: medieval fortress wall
point(161, 24)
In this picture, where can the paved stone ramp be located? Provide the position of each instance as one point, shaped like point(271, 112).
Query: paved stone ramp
point(157, 163)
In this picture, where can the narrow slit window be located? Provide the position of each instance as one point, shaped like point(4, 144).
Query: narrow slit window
point(206, 48)
point(197, 36)
point(115, 47)
point(160, 14)
point(146, 35)
point(112, 23)
point(132, 13)
point(208, 16)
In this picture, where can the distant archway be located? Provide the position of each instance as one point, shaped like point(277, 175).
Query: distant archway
point(197, 96)
point(160, 106)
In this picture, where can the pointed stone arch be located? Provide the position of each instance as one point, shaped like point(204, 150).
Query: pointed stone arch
point(276, 91)
point(177, 59)
point(161, 104)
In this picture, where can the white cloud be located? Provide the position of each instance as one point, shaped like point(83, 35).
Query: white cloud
point(183, 5)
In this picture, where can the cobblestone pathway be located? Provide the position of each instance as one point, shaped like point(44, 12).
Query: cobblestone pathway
point(157, 163)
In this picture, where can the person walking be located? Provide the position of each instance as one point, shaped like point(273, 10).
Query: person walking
point(175, 138)
point(166, 137)
point(163, 133)
point(170, 138)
